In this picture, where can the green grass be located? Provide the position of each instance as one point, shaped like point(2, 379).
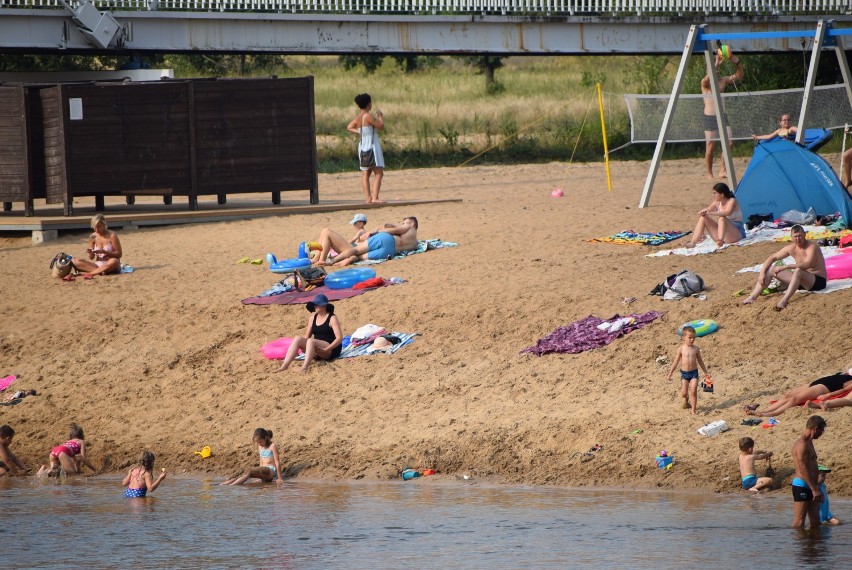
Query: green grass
point(545, 109)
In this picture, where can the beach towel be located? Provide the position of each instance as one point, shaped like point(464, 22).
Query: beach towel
point(6, 382)
point(629, 237)
point(354, 350)
point(765, 232)
point(422, 246)
point(302, 297)
point(584, 334)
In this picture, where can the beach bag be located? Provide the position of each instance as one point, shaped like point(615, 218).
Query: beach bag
point(679, 285)
point(367, 158)
point(309, 277)
point(61, 265)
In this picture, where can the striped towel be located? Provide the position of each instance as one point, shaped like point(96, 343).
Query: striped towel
point(352, 351)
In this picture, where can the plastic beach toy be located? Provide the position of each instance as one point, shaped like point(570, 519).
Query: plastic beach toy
point(346, 278)
point(409, 474)
point(702, 327)
point(557, 193)
point(277, 349)
point(286, 265)
point(205, 452)
point(725, 51)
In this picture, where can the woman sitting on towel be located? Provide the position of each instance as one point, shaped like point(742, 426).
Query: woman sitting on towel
point(104, 251)
point(323, 337)
point(722, 220)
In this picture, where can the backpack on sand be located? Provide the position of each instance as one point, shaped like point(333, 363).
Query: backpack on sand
point(679, 285)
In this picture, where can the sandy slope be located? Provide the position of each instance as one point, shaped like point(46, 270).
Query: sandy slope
point(167, 358)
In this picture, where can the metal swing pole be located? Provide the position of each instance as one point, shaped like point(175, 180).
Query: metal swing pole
point(670, 111)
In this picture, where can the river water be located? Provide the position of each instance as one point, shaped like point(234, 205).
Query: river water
point(193, 523)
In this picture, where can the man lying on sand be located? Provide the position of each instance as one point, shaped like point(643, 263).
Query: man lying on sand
point(383, 243)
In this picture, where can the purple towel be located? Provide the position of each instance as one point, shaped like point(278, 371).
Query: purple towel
point(584, 334)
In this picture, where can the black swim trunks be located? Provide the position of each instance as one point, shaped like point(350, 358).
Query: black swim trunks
point(819, 284)
point(832, 383)
point(802, 494)
point(710, 123)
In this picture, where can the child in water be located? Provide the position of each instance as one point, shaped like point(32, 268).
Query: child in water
point(9, 462)
point(751, 482)
point(69, 456)
point(825, 515)
point(689, 358)
point(140, 480)
point(270, 466)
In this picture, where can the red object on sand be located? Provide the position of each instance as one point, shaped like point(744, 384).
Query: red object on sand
point(427, 472)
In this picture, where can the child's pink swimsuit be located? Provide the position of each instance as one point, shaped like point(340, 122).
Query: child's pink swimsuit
point(70, 447)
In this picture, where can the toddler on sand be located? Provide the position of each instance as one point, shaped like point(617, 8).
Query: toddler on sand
point(751, 482)
point(140, 480)
point(689, 358)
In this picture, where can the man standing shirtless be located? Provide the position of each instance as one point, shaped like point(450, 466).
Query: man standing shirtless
point(808, 271)
point(711, 128)
point(806, 492)
point(383, 243)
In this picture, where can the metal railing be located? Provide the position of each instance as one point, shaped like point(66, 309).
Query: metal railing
point(475, 7)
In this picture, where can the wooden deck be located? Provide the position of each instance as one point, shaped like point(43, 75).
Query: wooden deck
point(49, 220)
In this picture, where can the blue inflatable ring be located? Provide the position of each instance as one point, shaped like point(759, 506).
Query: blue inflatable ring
point(702, 327)
point(346, 278)
point(287, 265)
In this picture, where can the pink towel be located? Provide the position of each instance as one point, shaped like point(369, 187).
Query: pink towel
point(6, 382)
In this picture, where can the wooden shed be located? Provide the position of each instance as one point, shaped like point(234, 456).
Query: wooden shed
point(21, 159)
point(172, 138)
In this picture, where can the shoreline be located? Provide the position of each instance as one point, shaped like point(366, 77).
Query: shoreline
point(167, 358)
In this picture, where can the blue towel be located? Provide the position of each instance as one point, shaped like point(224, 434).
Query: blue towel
point(352, 351)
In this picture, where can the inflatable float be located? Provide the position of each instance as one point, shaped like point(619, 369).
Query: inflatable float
point(346, 278)
point(277, 349)
point(702, 327)
point(838, 267)
point(286, 265)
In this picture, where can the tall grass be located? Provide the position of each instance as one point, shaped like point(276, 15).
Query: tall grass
point(444, 116)
point(544, 109)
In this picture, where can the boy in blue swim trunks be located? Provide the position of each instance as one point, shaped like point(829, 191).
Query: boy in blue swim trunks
point(751, 482)
point(383, 243)
point(689, 358)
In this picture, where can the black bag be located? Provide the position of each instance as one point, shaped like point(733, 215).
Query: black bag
point(755, 220)
point(308, 278)
point(367, 158)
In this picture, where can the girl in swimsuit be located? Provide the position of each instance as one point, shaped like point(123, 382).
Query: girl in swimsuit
point(69, 456)
point(323, 336)
point(140, 480)
point(104, 251)
point(785, 130)
point(270, 465)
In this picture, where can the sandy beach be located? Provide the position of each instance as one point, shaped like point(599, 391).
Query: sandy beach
point(167, 358)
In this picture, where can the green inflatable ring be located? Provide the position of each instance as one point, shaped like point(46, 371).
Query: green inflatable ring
point(702, 327)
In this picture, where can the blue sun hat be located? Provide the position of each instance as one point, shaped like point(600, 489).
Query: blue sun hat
point(320, 301)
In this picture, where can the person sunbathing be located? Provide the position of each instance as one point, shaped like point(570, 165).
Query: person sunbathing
point(825, 386)
point(383, 243)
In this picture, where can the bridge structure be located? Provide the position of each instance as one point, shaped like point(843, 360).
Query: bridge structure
point(385, 27)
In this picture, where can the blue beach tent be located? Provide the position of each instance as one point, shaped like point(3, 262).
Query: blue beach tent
point(784, 176)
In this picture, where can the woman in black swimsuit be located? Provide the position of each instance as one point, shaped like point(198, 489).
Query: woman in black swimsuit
point(323, 337)
point(827, 385)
